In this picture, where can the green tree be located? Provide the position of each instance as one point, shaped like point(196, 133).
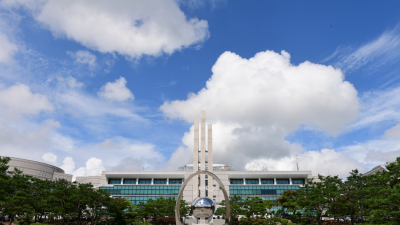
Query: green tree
point(254, 206)
point(333, 194)
point(353, 195)
point(236, 204)
point(162, 207)
point(288, 201)
point(60, 202)
point(383, 194)
point(99, 205)
point(312, 198)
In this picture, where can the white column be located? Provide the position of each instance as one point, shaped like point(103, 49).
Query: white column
point(152, 181)
point(137, 181)
point(203, 153)
point(122, 180)
point(167, 181)
point(210, 162)
point(244, 181)
point(195, 158)
point(274, 181)
point(290, 181)
point(259, 181)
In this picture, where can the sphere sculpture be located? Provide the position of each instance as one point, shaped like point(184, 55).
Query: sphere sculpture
point(226, 196)
point(203, 207)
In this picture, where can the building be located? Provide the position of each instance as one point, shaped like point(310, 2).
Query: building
point(140, 186)
point(38, 169)
point(376, 169)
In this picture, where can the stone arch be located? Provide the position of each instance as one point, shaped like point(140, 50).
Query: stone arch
point(226, 196)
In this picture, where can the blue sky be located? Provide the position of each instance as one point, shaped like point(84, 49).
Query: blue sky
point(94, 85)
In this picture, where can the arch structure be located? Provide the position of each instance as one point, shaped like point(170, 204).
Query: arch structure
point(226, 196)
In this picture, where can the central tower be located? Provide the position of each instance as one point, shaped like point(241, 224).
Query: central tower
point(202, 158)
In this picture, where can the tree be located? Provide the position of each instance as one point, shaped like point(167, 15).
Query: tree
point(254, 206)
point(60, 200)
point(333, 194)
point(353, 195)
point(236, 204)
point(383, 194)
point(162, 207)
point(312, 198)
point(288, 201)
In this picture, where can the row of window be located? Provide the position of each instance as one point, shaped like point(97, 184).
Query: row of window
point(138, 199)
point(142, 187)
point(267, 181)
point(143, 192)
point(259, 187)
point(145, 181)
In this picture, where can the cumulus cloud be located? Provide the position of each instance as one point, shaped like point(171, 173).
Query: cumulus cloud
point(116, 91)
point(130, 28)
point(255, 103)
point(7, 49)
point(49, 158)
point(68, 165)
point(20, 99)
point(84, 57)
point(324, 162)
point(94, 167)
point(393, 132)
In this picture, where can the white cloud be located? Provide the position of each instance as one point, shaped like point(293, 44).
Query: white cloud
point(49, 158)
point(378, 106)
point(255, 103)
point(393, 132)
point(68, 165)
point(7, 49)
point(116, 91)
point(324, 162)
point(373, 152)
point(20, 99)
point(130, 28)
point(94, 167)
point(84, 57)
point(381, 51)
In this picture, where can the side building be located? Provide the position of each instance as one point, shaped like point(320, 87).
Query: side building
point(38, 169)
point(140, 186)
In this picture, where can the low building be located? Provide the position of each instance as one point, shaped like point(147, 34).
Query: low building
point(38, 169)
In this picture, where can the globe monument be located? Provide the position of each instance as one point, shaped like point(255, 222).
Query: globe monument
point(202, 206)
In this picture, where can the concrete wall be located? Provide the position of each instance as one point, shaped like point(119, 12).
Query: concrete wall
point(38, 169)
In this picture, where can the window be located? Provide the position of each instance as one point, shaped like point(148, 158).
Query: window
point(236, 181)
point(251, 181)
point(297, 181)
point(267, 181)
point(206, 182)
point(160, 181)
point(129, 181)
point(175, 181)
point(282, 181)
point(114, 181)
point(144, 181)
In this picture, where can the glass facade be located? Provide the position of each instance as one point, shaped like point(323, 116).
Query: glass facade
point(236, 181)
point(144, 181)
point(267, 181)
point(282, 181)
point(114, 181)
point(138, 199)
point(175, 181)
point(160, 181)
point(297, 181)
point(129, 181)
point(142, 193)
point(259, 190)
point(251, 181)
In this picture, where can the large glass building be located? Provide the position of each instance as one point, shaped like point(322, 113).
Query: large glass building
point(140, 186)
